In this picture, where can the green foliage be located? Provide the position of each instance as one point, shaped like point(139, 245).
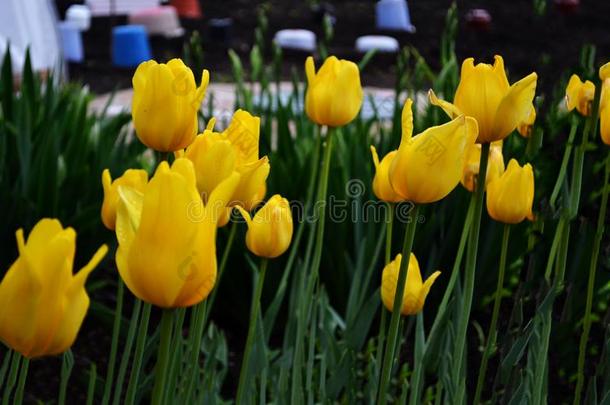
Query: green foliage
point(53, 150)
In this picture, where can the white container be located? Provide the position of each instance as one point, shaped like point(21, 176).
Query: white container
point(72, 43)
point(302, 40)
point(381, 43)
point(393, 15)
point(80, 16)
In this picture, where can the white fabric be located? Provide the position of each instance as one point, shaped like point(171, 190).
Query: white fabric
point(108, 7)
point(381, 43)
point(30, 23)
point(303, 40)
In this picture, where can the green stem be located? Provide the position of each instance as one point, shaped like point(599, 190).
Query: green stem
point(221, 270)
point(599, 233)
point(455, 272)
point(91, 384)
point(198, 316)
point(12, 378)
point(245, 364)
point(131, 333)
point(491, 335)
point(388, 233)
point(471, 264)
point(388, 258)
point(5, 365)
point(564, 162)
point(271, 314)
point(416, 377)
point(398, 296)
point(116, 328)
point(23, 375)
point(161, 369)
point(568, 214)
point(134, 379)
point(303, 312)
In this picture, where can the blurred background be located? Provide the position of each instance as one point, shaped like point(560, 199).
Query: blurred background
point(546, 34)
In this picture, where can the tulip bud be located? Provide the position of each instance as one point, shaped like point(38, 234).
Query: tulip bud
point(485, 94)
point(134, 178)
point(42, 304)
point(495, 165)
point(381, 182)
point(167, 236)
point(428, 166)
point(510, 196)
point(580, 95)
point(270, 231)
point(165, 104)
point(334, 94)
point(415, 289)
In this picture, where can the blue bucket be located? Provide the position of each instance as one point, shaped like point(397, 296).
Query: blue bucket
point(130, 45)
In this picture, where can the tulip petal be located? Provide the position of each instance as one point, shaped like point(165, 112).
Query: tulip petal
point(245, 214)
point(243, 133)
point(406, 120)
point(498, 68)
point(162, 249)
point(375, 157)
point(514, 106)
point(479, 94)
point(604, 71)
point(451, 110)
point(221, 196)
point(310, 69)
point(430, 165)
point(81, 277)
point(129, 212)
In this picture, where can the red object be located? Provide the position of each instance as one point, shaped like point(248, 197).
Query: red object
point(478, 19)
point(567, 6)
point(187, 8)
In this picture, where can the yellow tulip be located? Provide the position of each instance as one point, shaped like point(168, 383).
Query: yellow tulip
point(165, 104)
point(485, 94)
point(381, 182)
point(42, 304)
point(134, 178)
point(604, 71)
point(510, 196)
point(604, 111)
point(580, 95)
point(495, 165)
point(525, 126)
point(270, 231)
point(415, 289)
point(428, 166)
point(217, 155)
point(167, 236)
point(334, 94)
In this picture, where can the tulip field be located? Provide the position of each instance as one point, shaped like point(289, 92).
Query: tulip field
point(312, 249)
